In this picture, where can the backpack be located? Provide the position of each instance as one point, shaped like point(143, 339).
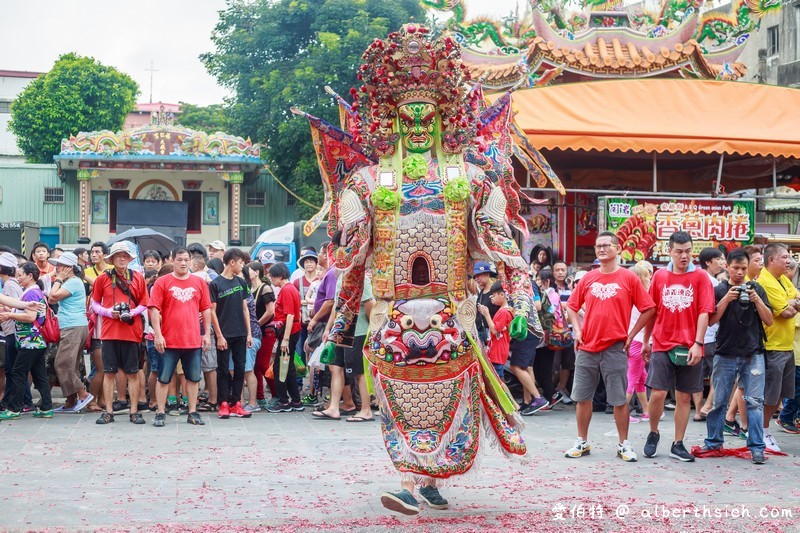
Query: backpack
point(50, 330)
point(557, 336)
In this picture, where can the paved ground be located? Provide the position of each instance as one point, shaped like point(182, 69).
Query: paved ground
point(289, 472)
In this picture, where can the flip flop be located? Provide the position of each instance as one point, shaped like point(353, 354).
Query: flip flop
point(701, 418)
point(348, 412)
point(319, 415)
point(359, 419)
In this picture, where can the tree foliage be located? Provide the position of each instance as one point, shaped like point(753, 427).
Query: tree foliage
point(275, 54)
point(209, 119)
point(78, 94)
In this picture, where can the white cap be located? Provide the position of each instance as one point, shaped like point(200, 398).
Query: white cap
point(8, 260)
point(66, 259)
point(217, 245)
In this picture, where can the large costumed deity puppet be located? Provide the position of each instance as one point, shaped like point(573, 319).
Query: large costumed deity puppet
point(418, 190)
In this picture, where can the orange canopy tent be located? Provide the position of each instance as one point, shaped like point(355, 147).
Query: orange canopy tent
point(663, 116)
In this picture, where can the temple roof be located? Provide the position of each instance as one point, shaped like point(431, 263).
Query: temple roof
point(608, 52)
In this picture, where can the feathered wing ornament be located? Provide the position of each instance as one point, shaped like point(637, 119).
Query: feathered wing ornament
point(338, 156)
point(496, 147)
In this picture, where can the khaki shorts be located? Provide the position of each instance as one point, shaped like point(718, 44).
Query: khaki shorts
point(612, 363)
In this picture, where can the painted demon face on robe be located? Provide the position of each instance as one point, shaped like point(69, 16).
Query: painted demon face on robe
point(417, 126)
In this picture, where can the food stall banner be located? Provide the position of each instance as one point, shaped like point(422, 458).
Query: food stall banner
point(643, 225)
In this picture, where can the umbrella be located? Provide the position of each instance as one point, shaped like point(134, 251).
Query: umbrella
point(145, 239)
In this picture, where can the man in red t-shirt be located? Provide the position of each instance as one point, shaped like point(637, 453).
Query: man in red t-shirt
point(119, 295)
point(178, 298)
point(287, 322)
point(608, 294)
point(684, 300)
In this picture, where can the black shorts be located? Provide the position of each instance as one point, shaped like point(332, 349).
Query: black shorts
point(120, 355)
point(523, 352)
point(354, 357)
point(339, 354)
point(97, 344)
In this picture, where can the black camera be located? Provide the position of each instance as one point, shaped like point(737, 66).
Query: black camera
point(124, 311)
point(744, 296)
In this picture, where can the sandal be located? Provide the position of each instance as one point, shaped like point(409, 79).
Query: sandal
point(105, 418)
point(136, 418)
point(207, 407)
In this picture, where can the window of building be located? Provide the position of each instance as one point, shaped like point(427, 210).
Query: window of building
point(5, 106)
point(255, 199)
point(54, 195)
point(291, 201)
point(773, 40)
point(115, 196)
point(795, 32)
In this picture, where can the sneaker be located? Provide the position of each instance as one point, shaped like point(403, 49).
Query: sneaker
point(136, 418)
point(679, 452)
point(105, 418)
point(731, 428)
point(27, 409)
point(579, 449)
point(742, 434)
point(536, 405)
point(160, 420)
point(310, 400)
point(430, 495)
point(83, 403)
point(646, 416)
point(400, 502)
point(195, 419)
point(557, 397)
point(262, 403)
point(43, 414)
point(758, 457)
point(224, 410)
point(635, 420)
point(547, 408)
point(9, 415)
point(142, 406)
point(565, 399)
point(297, 406)
point(171, 406)
point(769, 441)
point(787, 428)
point(609, 409)
point(238, 412)
point(279, 407)
point(625, 452)
point(119, 407)
point(651, 446)
point(669, 406)
point(252, 408)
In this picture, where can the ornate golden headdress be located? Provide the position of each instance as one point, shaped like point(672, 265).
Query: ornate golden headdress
point(409, 66)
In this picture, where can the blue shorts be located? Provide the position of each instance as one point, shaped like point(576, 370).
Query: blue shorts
point(153, 358)
point(499, 369)
point(190, 360)
point(250, 357)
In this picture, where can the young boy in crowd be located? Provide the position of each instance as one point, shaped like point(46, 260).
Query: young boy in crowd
point(499, 339)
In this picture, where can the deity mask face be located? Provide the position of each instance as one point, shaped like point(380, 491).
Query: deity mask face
point(417, 126)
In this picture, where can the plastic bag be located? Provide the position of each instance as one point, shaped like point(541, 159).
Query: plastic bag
point(300, 366)
point(284, 367)
point(314, 360)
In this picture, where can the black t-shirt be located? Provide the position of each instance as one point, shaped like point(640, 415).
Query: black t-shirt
point(265, 295)
point(740, 328)
point(480, 322)
point(229, 294)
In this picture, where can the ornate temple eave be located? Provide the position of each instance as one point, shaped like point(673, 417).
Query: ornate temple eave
point(155, 162)
point(624, 35)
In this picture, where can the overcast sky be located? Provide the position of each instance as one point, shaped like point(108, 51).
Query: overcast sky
point(129, 35)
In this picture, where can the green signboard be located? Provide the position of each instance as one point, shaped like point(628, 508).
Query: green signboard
point(644, 225)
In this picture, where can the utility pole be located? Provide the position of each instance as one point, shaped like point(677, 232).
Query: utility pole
point(151, 70)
